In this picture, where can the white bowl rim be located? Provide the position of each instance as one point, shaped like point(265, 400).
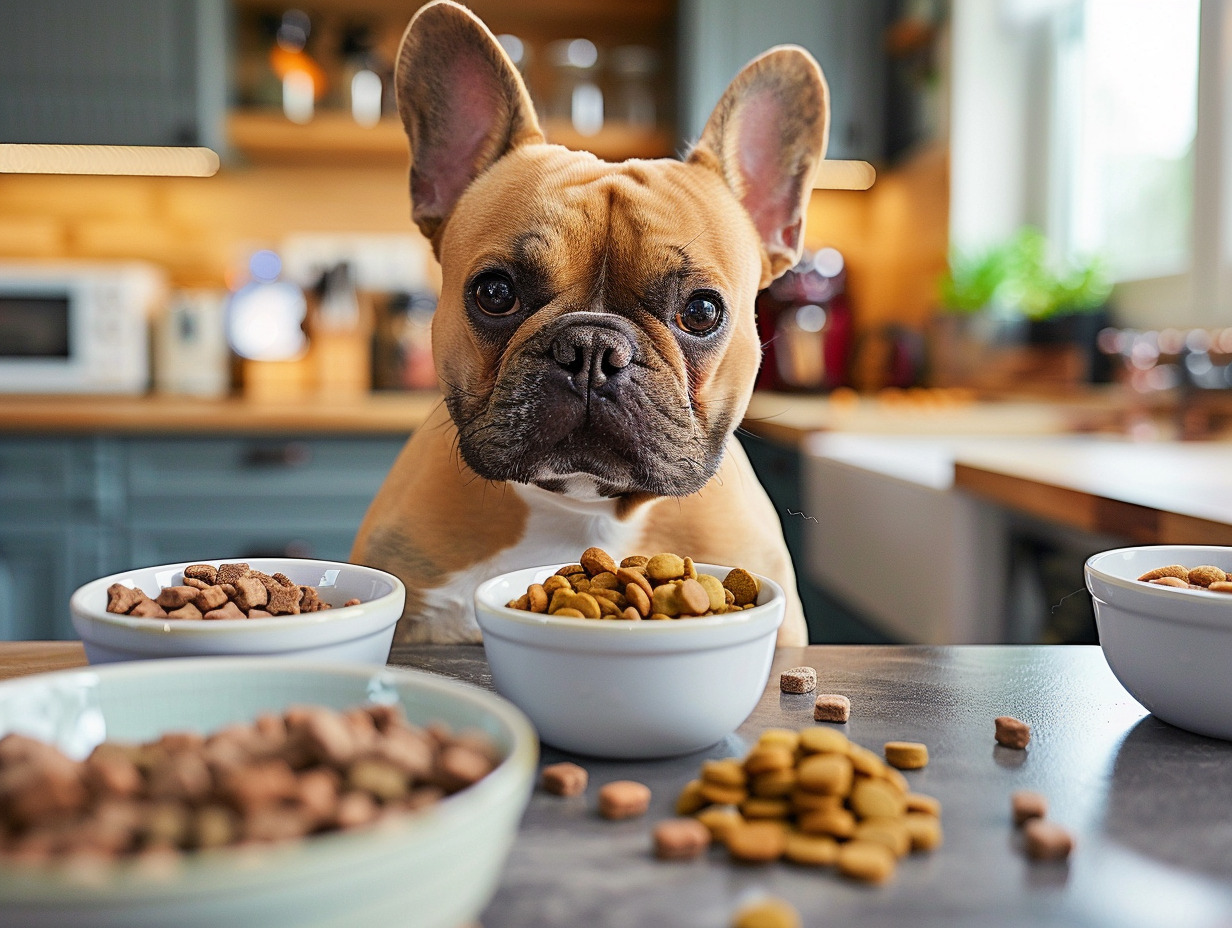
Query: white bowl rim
point(1139, 586)
point(217, 869)
point(83, 610)
point(674, 626)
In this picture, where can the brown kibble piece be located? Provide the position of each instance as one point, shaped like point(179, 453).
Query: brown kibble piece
point(871, 798)
point(228, 610)
point(564, 779)
point(1026, 805)
point(634, 560)
point(663, 567)
point(173, 597)
point(1047, 840)
point(148, 609)
point(680, 839)
point(767, 913)
point(250, 593)
point(811, 850)
point(1174, 570)
point(229, 573)
point(597, 561)
point(207, 573)
point(187, 612)
point(743, 585)
point(831, 707)
point(284, 601)
point(537, 598)
point(1221, 587)
point(798, 680)
point(924, 830)
point(906, 755)
point(1011, 732)
point(121, 598)
point(757, 842)
point(692, 597)
point(869, 861)
point(210, 598)
point(623, 799)
point(1206, 575)
point(827, 774)
point(195, 583)
point(638, 599)
point(918, 802)
point(1171, 581)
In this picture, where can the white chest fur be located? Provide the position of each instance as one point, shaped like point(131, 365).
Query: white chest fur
point(558, 529)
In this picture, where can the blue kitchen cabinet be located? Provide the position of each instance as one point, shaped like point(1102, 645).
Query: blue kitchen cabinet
point(76, 508)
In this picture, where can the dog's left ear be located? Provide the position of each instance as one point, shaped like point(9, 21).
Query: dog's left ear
point(463, 105)
point(766, 137)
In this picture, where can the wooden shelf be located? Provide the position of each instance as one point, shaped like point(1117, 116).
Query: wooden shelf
point(268, 137)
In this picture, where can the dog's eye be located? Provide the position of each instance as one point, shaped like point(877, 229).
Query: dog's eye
point(701, 315)
point(495, 294)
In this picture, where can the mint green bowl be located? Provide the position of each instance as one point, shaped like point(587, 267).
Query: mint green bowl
point(436, 868)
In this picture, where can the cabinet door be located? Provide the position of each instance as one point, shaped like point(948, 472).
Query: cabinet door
point(202, 498)
point(113, 72)
point(40, 566)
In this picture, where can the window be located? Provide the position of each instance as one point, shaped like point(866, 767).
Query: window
point(1125, 123)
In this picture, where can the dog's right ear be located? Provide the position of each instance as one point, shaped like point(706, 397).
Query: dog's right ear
point(463, 105)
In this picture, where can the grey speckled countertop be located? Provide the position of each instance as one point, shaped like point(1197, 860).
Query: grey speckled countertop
point(1150, 805)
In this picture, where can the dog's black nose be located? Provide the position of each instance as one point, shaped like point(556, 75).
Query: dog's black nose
point(592, 355)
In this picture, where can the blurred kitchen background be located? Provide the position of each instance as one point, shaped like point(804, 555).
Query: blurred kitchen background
point(1011, 352)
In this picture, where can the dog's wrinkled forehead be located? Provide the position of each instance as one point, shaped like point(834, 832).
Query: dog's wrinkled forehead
point(566, 223)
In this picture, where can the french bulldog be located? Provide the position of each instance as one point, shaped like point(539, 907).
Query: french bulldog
point(594, 339)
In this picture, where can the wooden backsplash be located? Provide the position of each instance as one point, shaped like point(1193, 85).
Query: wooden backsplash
point(894, 236)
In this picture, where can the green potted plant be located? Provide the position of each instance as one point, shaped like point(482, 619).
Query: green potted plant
point(1015, 293)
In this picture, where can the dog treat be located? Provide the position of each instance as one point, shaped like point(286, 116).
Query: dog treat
point(831, 707)
point(906, 755)
point(870, 861)
point(1011, 732)
point(229, 591)
point(1027, 805)
point(278, 778)
point(663, 586)
point(798, 680)
point(757, 842)
point(1047, 840)
point(564, 779)
point(807, 796)
point(680, 839)
point(767, 913)
point(623, 799)
point(1203, 577)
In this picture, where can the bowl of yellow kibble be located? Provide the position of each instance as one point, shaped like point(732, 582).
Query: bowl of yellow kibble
point(1164, 615)
point(649, 656)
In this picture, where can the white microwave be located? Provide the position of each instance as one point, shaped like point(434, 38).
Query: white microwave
point(77, 328)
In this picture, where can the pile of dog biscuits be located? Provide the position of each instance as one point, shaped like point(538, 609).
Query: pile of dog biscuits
point(663, 586)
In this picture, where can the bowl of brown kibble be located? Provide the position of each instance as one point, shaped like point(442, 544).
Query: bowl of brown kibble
point(646, 656)
point(300, 607)
point(1164, 615)
point(200, 792)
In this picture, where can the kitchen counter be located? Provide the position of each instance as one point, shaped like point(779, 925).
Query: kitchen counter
point(397, 413)
point(1148, 803)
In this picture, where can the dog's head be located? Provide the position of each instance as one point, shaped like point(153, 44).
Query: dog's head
point(595, 331)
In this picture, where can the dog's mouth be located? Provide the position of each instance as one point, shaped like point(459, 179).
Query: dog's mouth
point(596, 411)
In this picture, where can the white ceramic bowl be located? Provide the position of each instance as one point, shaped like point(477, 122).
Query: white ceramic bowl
point(438, 867)
point(628, 689)
point(1171, 648)
point(359, 634)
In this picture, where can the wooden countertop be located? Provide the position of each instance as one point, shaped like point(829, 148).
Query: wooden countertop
point(376, 413)
point(782, 417)
point(1151, 492)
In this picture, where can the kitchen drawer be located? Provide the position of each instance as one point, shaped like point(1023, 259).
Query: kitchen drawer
point(210, 471)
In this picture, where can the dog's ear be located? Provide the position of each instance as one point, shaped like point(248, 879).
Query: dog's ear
point(766, 137)
point(463, 105)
